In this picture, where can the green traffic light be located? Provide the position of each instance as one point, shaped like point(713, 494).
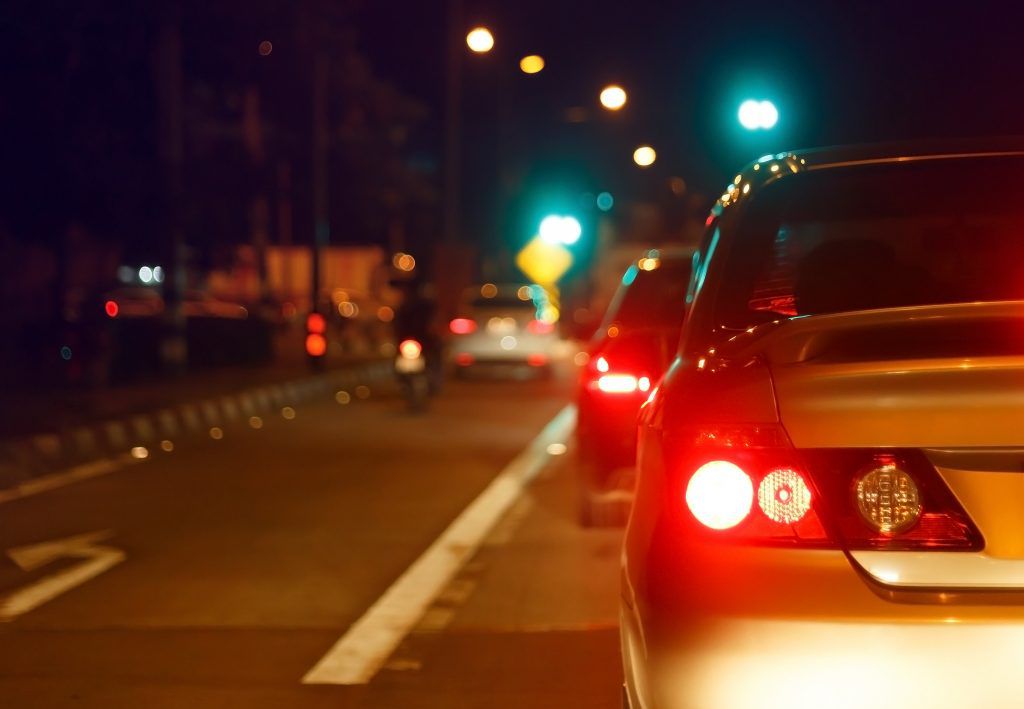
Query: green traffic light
point(560, 229)
point(758, 115)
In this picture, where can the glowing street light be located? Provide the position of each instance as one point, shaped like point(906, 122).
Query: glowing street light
point(758, 115)
point(480, 40)
point(532, 64)
point(613, 97)
point(557, 229)
point(644, 156)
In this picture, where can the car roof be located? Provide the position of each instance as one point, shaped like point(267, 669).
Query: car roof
point(770, 168)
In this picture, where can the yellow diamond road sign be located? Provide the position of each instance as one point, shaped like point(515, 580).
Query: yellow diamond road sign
point(543, 262)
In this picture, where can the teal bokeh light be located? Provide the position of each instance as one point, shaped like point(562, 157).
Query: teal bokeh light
point(758, 115)
point(560, 229)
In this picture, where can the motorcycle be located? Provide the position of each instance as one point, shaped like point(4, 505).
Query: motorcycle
point(413, 376)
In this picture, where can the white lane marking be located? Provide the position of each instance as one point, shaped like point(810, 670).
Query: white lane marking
point(53, 481)
point(357, 656)
point(97, 559)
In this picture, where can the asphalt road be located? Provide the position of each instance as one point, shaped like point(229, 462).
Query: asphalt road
point(223, 571)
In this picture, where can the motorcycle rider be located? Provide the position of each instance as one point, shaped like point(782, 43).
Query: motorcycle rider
point(416, 319)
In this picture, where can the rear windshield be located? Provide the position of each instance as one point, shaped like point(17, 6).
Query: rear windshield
point(883, 236)
point(652, 298)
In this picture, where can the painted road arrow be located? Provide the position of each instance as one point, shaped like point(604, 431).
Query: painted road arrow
point(96, 559)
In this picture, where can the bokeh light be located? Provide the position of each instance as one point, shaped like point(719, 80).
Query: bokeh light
point(605, 201)
point(532, 64)
point(403, 261)
point(480, 40)
point(644, 156)
point(758, 115)
point(613, 97)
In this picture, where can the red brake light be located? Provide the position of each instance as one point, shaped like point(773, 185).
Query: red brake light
point(865, 499)
point(410, 349)
point(540, 327)
point(622, 384)
point(462, 326)
point(719, 494)
point(617, 383)
point(111, 308)
point(536, 359)
point(747, 483)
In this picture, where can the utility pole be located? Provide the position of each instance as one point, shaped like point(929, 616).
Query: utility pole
point(173, 343)
point(259, 208)
point(321, 146)
point(453, 124)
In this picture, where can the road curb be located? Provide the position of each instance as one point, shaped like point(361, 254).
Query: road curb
point(40, 454)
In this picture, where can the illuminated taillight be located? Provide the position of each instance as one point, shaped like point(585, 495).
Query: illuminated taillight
point(854, 498)
point(719, 494)
point(623, 384)
point(536, 359)
point(111, 308)
point(617, 383)
point(540, 327)
point(410, 349)
point(462, 326)
point(745, 481)
point(464, 359)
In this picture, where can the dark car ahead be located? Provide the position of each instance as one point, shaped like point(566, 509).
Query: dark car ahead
point(829, 491)
point(627, 357)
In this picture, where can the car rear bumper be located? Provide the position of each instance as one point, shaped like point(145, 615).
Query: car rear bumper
point(767, 628)
point(479, 349)
point(754, 663)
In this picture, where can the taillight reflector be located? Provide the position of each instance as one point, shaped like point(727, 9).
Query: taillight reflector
point(462, 326)
point(783, 496)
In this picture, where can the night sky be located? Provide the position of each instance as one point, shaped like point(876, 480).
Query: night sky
point(839, 73)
